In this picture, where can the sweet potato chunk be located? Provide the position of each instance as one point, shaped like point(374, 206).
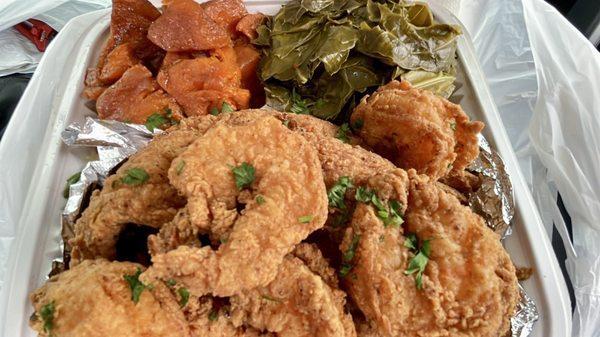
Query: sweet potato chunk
point(184, 26)
point(117, 62)
point(135, 97)
point(226, 13)
point(248, 24)
point(247, 59)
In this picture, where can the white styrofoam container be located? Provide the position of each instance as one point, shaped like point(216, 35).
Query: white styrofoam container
point(77, 47)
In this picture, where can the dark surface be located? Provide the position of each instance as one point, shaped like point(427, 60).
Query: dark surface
point(11, 89)
point(559, 248)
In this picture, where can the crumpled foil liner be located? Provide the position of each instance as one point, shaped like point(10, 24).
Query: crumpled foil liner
point(494, 199)
point(116, 141)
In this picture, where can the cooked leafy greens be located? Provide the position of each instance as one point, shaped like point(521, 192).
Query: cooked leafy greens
point(320, 56)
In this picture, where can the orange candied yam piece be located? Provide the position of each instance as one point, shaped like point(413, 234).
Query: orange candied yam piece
point(248, 24)
point(247, 59)
point(134, 97)
point(226, 13)
point(215, 72)
point(184, 26)
point(117, 62)
point(198, 103)
point(130, 20)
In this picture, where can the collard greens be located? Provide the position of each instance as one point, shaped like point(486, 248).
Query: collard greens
point(320, 56)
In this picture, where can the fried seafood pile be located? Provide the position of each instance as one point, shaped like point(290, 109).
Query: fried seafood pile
point(265, 223)
point(191, 59)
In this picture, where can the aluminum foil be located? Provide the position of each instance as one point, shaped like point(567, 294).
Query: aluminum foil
point(116, 141)
point(494, 199)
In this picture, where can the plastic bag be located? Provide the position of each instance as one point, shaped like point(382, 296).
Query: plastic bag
point(17, 53)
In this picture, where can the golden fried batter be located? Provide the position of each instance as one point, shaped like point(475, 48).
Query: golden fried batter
point(469, 287)
point(294, 203)
point(93, 299)
point(297, 303)
point(416, 129)
point(151, 203)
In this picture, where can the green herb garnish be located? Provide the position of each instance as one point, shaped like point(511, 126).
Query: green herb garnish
point(363, 194)
point(395, 213)
point(184, 296)
point(225, 107)
point(299, 105)
point(357, 124)
point(157, 120)
point(135, 176)
point(135, 285)
point(342, 133)
point(305, 219)
point(418, 263)
point(180, 167)
point(214, 111)
point(47, 315)
point(411, 241)
point(171, 282)
point(244, 175)
point(70, 181)
point(260, 199)
point(269, 298)
point(453, 126)
point(337, 192)
point(213, 315)
point(348, 256)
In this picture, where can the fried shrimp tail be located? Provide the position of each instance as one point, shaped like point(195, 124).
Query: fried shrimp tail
point(270, 172)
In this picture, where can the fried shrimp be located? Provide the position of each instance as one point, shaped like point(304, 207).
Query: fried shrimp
point(267, 169)
point(297, 303)
point(138, 193)
point(95, 299)
point(462, 284)
point(416, 129)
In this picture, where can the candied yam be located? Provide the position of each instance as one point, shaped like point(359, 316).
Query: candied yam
point(202, 73)
point(92, 93)
point(117, 62)
point(184, 26)
point(134, 97)
point(226, 13)
point(201, 102)
point(248, 24)
point(130, 20)
point(247, 59)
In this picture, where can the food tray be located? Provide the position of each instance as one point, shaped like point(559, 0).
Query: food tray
point(38, 239)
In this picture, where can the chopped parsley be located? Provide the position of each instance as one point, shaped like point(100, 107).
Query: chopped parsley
point(213, 315)
point(340, 219)
point(225, 107)
point(180, 167)
point(357, 124)
point(363, 194)
point(171, 282)
point(348, 256)
point(342, 133)
point(418, 263)
point(299, 105)
point(305, 219)
point(269, 298)
point(286, 123)
point(411, 241)
point(260, 199)
point(244, 175)
point(395, 213)
point(47, 315)
point(157, 120)
point(135, 176)
point(337, 192)
point(70, 181)
point(135, 285)
point(184, 296)
point(453, 126)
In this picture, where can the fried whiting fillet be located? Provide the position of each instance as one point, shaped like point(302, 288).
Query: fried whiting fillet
point(297, 303)
point(287, 177)
point(469, 286)
point(93, 299)
point(416, 129)
point(151, 203)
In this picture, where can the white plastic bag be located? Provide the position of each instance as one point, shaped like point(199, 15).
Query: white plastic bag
point(17, 53)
